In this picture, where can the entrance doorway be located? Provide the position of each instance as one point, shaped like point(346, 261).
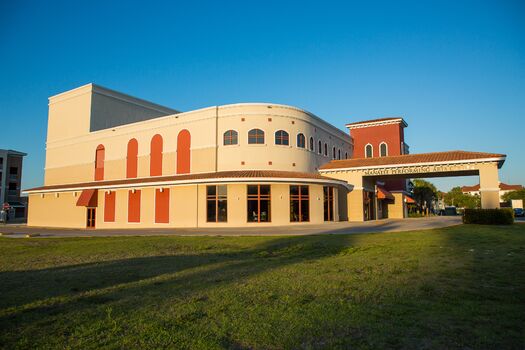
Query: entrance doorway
point(368, 205)
point(91, 216)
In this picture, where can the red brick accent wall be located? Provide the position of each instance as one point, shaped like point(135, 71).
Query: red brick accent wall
point(392, 134)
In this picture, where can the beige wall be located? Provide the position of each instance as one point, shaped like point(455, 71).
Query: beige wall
point(396, 209)
point(70, 150)
point(187, 208)
point(61, 211)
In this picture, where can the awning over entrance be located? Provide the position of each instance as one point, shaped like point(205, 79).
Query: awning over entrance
point(88, 198)
point(383, 194)
point(410, 200)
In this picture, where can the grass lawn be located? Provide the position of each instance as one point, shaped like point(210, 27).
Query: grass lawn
point(460, 287)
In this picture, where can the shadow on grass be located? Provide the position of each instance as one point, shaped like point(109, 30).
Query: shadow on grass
point(22, 288)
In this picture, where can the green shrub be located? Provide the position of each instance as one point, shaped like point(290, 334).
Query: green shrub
point(504, 216)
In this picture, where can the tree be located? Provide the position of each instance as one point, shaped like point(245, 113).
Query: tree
point(457, 198)
point(519, 194)
point(425, 193)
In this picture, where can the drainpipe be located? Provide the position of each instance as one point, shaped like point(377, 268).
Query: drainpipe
point(216, 138)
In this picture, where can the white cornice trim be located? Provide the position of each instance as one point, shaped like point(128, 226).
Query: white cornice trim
point(465, 161)
point(237, 180)
point(376, 123)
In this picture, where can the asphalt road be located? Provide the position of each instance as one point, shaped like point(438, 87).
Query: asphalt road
point(386, 225)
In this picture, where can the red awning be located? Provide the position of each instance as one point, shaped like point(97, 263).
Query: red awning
point(88, 198)
point(409, 200)
point(383, 194)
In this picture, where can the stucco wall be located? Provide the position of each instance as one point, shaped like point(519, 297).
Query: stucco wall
point(187, 208)
point(70, 151)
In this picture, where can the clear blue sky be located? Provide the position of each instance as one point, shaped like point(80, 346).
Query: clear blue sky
point(455, 70)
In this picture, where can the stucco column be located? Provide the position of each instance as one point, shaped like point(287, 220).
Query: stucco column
point(355, 205)
point(489, 185)
point(396, 209)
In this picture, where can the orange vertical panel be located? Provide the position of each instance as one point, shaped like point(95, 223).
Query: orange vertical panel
point(131, 160)
point(99, 163)
point(183, 152)
point(134, 206)
point(109, 207)
point(155, 165)
point(162, 206)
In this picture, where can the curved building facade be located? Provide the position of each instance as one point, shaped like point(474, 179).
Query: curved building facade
point(115, 161)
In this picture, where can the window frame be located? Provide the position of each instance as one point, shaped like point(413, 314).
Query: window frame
point(328, 203)
point(258, 197)
point(230, 137)
point(216, 198)
point(300, 198)
point(256, 136)
point(371, 150)
point(283, 137)
point(381, 150)
point(301, 136)
point(312, 144)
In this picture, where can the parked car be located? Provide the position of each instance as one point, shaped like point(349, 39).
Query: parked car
point(450, 211)
point(519, 212)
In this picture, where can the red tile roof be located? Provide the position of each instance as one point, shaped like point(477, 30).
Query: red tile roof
point(242, 174)
point(409, 159)
point(502, 187)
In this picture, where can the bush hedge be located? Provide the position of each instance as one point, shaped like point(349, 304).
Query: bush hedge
point(504, 216)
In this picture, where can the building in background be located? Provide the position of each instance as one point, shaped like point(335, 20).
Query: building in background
point(503, 188)
point(11, 183)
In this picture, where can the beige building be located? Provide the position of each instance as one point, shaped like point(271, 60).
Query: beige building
point(503, 189)
point(115, 161)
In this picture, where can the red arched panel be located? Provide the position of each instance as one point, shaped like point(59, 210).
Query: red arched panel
point(131, 160)
point(155, 164)
point(183, 152)
point(99, 163)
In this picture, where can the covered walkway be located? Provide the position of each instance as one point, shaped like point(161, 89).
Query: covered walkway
point(364, 175)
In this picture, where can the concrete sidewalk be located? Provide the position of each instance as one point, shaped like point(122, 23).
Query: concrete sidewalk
point(386, 225)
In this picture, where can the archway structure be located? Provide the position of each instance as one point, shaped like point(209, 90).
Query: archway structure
point(364, 174)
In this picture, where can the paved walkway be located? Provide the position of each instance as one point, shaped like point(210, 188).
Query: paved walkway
point(386, 225)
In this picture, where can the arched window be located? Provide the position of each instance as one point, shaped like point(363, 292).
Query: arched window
point(333, 152)
point(383, 149)
point(131, 159)
point(155, 156)
point(311, 144)
point(282, 138)
point(99, 162)
point(230, 137)
point(326, 150)
point(319, 147)
point(256, 136)
point(183, 152)
point(339, 154)
point(369, 151)
point(301, 141)
point(346, 155)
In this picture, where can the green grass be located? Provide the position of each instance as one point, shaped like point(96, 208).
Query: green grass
point(461, 287)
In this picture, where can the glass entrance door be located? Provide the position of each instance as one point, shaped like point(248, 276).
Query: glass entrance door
point(91, 215)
